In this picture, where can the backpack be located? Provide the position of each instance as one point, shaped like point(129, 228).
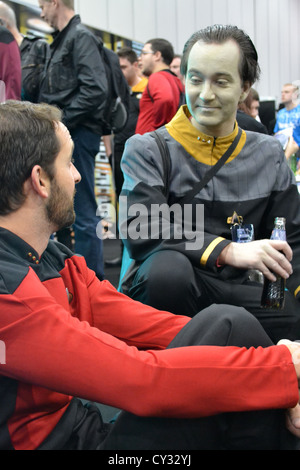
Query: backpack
point(116, 110)
point(33, 58)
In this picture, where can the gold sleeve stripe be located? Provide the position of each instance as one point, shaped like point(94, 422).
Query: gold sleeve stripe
point(296, 291)
point(209, 250)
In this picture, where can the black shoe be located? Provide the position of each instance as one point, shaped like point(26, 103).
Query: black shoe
point(113, 262)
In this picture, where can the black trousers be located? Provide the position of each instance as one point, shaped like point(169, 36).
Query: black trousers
point(258, 430)
point(116, 165)
point(168, 281)
point(262, 430)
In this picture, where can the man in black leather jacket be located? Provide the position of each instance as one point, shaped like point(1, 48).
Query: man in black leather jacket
point(75, 81)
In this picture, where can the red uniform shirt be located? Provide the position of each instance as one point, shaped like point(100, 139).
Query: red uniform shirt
point(68, 334)
point(159, 101)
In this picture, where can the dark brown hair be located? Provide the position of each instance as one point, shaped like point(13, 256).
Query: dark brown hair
point(249, 68)
point(28, 138)
point(164, 47)
point(128, 53)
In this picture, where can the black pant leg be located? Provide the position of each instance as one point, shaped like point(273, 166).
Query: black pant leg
point(217, 325)
point(166, 281)
point(222, 325)
point(278, 324)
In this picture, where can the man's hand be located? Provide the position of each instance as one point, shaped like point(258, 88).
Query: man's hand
point(268, 256)
point(293, 414)
point(293, 420)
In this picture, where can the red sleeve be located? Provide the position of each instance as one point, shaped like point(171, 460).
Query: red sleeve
point(46, 346)
point(102, 306)
point(133, 322)
point(10, 69)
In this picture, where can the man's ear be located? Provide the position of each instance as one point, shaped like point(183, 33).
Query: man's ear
point(157, 55)
point(245, 91)
point(40, 181)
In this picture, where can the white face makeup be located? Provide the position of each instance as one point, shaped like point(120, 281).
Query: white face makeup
point(214, 87)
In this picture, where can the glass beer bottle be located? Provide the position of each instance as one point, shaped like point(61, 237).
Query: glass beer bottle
point(273, 292)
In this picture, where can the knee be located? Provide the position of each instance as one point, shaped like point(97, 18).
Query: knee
point(235, 325)
point(166, 281)
point(167, 270)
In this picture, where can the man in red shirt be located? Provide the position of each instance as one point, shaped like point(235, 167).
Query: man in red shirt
point(162, 96)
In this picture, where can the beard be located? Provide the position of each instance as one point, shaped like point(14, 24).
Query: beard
point(147, 71)
point(60, 208)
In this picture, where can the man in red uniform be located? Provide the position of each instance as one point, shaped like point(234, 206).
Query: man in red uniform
point(162, 96)
point(65, 334)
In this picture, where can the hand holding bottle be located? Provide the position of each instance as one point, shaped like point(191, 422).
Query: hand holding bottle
point(268, 256)
point(273, 295)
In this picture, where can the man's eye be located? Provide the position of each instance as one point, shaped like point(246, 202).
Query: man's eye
point(195, 80)
point(222, 82)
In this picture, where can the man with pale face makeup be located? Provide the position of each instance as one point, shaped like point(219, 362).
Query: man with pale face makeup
point(255, 184)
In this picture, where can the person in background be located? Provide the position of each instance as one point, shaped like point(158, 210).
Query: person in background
point(33, 55)
point(254, 106)
point(161, 98)
point(137, 83)
point(175, 67)
point(130, 67)
point(75, 81)
point(288, 118)
point(10, 66)
point(247, 114)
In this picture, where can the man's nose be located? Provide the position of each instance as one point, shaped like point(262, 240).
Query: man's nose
point(76, 175)
point(207, 93)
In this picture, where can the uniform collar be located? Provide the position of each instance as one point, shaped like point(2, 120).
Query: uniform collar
point(139, 87)
point(205, 148)
point(14, 244)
